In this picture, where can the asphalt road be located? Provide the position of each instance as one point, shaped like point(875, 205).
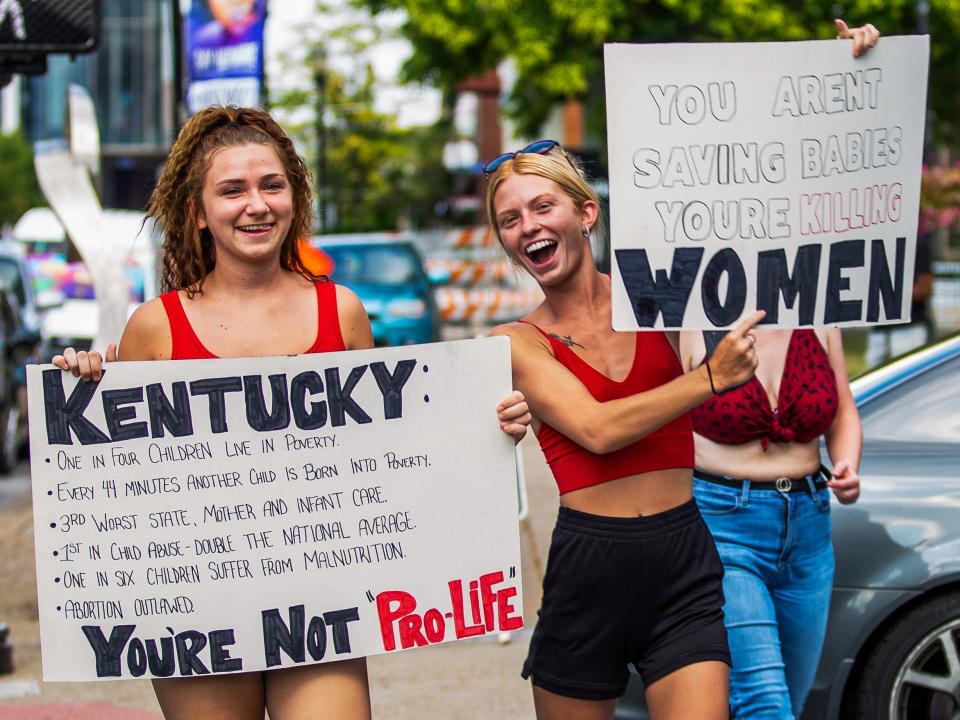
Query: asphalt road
point(14, 486)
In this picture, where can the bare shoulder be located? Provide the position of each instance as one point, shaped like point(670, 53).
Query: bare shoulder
point(354, 323)
point(831, 338)
point(347, 300)
point(147, 334)
point(523, 337)
point(514, 329)
point(349, 308)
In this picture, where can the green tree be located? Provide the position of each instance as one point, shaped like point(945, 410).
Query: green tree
point(373, 174)
point(19, 189)
point(556, 45)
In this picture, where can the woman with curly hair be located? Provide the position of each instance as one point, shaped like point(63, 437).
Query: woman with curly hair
point(233, 202)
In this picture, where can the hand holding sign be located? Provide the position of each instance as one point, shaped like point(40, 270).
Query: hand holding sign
point(863, 37)
point(514, 416)
point(735, 359)
point(83, 364)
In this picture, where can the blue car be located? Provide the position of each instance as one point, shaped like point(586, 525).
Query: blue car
point(386, 273)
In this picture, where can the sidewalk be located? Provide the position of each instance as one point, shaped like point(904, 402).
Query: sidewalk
point(468, 680)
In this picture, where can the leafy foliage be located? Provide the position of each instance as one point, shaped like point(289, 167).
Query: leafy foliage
point(556, 45)
point(19, 189)
point(940, 197)
point(374, 175)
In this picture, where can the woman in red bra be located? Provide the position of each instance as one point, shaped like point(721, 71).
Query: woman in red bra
point(233, 199)
point(761, 490)
point(632, 576)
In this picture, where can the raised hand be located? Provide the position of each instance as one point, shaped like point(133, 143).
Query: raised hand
point(84, 364)
point(864, 37)
point(735, 360)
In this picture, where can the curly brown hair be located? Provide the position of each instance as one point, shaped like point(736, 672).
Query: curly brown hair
point(188, 253)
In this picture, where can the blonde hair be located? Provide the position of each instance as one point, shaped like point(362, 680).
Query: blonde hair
point(557, 165)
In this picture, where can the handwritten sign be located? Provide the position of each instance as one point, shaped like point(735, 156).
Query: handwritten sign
point(217, 516)
point(780, 176)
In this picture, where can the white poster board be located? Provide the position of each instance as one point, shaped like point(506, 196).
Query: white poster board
point(207, 516)
point(780, 176)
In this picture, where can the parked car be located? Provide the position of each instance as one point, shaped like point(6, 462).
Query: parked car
point(21, 314)
point(62, 282)
point(892, 649)
point(74, 322)
point(386, 272)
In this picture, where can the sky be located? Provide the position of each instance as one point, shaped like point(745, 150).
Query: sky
point(413, 105)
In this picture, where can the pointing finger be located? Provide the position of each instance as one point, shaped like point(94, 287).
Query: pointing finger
point(747, 324)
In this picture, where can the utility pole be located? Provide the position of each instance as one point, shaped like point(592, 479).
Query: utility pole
point(320, 86)
point(179, 106)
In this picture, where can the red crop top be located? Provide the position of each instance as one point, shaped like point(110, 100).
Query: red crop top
point(187, 346)
point(575, 467)
point(806, 405)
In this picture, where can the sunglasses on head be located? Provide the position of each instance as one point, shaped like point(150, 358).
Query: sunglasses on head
point(540, 147)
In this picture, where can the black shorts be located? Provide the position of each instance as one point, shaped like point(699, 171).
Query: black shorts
point(645, 590)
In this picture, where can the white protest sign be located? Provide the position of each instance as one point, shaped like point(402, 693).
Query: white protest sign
point(779, 176)
point(213, 516)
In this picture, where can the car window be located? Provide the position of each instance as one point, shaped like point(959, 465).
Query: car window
point(373, 264)
point(926, 408)
point(10, 279)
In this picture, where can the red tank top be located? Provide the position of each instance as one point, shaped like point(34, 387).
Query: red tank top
point(575, 467)
point(187, 346)
point(806, 405)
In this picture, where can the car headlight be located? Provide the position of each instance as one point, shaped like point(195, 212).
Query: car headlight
point(415, 308)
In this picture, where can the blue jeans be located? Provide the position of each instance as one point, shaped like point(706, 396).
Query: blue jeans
point(778, 573)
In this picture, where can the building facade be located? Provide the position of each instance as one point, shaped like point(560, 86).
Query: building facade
point(131, 79)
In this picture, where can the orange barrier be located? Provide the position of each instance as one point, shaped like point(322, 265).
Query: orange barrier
point(471, 272)
point(479, 236)
point(485, 304)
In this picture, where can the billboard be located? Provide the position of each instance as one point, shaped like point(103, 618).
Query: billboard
point(223, 52)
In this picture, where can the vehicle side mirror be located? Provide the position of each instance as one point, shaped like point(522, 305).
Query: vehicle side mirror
point(49, 299)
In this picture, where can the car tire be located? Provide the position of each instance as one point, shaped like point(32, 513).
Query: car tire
point(913, 671)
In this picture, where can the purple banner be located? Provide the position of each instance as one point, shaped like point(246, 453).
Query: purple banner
point(224, 52)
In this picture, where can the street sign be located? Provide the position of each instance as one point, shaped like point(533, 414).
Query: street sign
point(37, 27)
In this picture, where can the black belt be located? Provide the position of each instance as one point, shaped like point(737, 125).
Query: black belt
point(781, 484)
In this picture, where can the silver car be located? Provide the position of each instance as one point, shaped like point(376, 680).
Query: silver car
point(893, 641)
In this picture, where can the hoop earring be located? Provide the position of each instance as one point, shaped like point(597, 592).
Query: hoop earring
point(586, 231)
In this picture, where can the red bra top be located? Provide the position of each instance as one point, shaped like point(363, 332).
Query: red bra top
point(805, 408)
point(671, 446)
point(187, 346)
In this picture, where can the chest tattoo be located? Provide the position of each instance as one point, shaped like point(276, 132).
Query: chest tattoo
point(567, 340)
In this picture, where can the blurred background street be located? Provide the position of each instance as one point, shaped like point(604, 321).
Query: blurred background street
point(393, 104)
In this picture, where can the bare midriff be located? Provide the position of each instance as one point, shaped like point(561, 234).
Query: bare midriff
point(648, 493)
point(750, 461)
